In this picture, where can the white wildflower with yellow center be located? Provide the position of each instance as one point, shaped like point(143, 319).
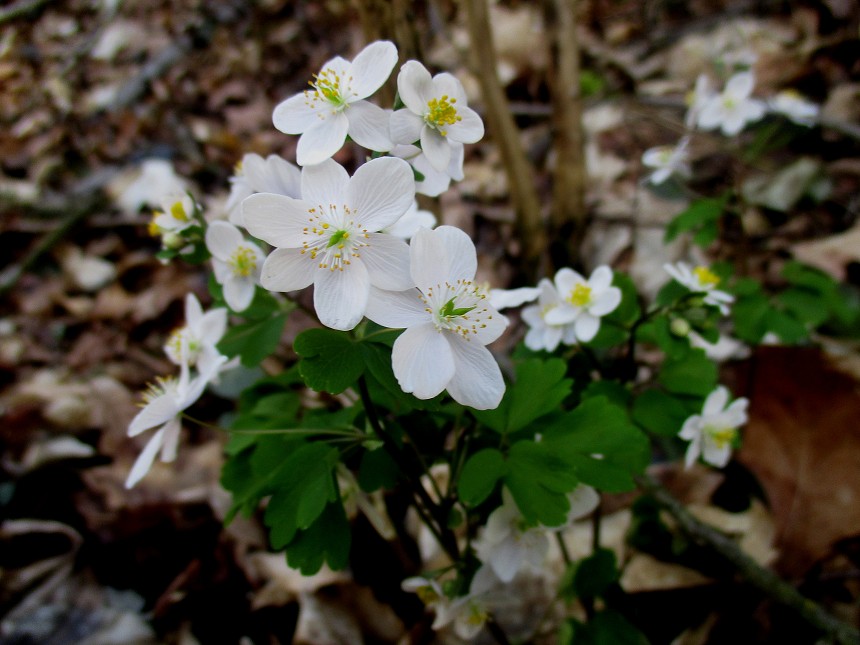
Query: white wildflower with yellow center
point(583, 302)
point(236, 262)
point(667, 161)
point(733, 108)
point(701, 279)
point(792, 105)
point(436, 114)
point(541, 334)
point(194, 343)
point(448, 321)
point(254, 174)
point(329, 237)
point(334, 106)
point(176, 215)
point(714, 433)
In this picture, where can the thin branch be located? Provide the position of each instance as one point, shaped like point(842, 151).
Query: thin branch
point(520, 174)
point(764, 579)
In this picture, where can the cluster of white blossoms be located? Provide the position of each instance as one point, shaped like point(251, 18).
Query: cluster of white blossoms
point(193, 348)
point(729, 110)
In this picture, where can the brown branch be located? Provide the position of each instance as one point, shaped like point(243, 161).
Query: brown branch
point(529, 225)
point(764, 579)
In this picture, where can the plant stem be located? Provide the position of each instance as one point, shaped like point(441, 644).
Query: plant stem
point(764, 579)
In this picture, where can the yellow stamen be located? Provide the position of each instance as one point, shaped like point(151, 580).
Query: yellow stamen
point(706, 277)
point(441, 113)
point(580, 296)
point(243, 262)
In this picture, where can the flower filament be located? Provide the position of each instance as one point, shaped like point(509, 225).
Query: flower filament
point(243, 261)
point(706, 277)
point(580, 296)
point(334, 235)
point(328, 86)
point(441, 112)
point(182, 346)
point(457, 307)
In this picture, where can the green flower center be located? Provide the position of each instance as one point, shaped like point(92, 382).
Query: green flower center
point(449, 311)
point(721, 437)
point(327, 83)
point(580, 296)
point(243, 262)
point(441, 112)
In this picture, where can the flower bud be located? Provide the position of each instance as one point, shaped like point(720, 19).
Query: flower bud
point(172, 240)
point(679, 327)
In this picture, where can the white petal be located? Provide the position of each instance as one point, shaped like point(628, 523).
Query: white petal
point(740, 86)
point(340, 297)
point(446, 84)
point(443, 254)
point(477, 380)
point(324, 183)
point(716, 401)
point(606, 302)
point(692, 428)
point(712, 114)
point(222, 238)
point(693, 451)
point(415, 86)
point(495, 323)
point(380, 192)
point(396, 309)
point(455, 167)
point(422, 361)
point(321, 140)
point(716, 455)
point(405, 127)
point(563, 314)
point(469, 129)
point(193, 310)
point(436, 148)
point(144, 461)
point(566, 279)
point(280, 177)
point(371, 67)
point(158, 411)
point(212, 326)
point(504, 298)
point(586, 327)
point(287, 270)
point(506, 559)
point(387, 262)
point(552, 336)
point(368, 126)
point(295, 116)
point(583, 500)
point(239, 292)
point(276, 219)
point(170, 442)
point(600, 278)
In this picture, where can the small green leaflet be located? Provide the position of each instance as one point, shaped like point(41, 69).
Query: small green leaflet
point(693, 373)
point(479, 477)
point(327, 539)
point(331, 360)
point(253, 341)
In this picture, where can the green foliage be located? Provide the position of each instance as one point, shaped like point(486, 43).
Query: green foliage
point(614, 326)
point(539, 479)
point(540, 387)
point(331, 360)
point(605, 628)
point(701, 218)
point(327, 539)
point(481, 473)
point(377, 470)
point(600, 443)
point(254, 340)
point(660, 412)
point(595, 574)
point(692, 373)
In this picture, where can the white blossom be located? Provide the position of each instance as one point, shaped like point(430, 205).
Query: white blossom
point(667, 161)
point(507, 298)
point(701, 280)
point(434, 182)
point(733, 108)
point(236, 263)
point(448, 322)
point(436, 113)
point(713, 433)
point(541, 334)
point(697, 98)
point(413, 219)
point(792, 105)
point(254, 174)
point(193, 344)
point(334, 106)
point(329, 237)
point(584, 302)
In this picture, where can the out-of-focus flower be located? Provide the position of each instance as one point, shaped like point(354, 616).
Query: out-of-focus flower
point(701, 280)
point(697, 98)
point(412, 220)
point(792, 105)
point(667, 161)
point(448, 322)
point(541, 334)
point(334, 106)
point(713, 433)
point(329, 237)
point(254, 174)
point(194, 343)
point(583, 302)
point(436, 113)
point(236, 263)
point(733, 108)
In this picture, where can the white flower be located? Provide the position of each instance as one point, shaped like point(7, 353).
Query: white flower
point(175, 216)
point(436, 114)
point(794, 107)
point(194, 344)
point(429, 591)
point(583, 500)
point(697, 98)
point(541, 334)
point(584, 302)
point(713, 433)
point(448, 322)
point(413, 219)
point(507, 298)
point(701, 280)
point(733, 108)
point(329, 237)
point(334, 106)
point(165, 403)
point(435, 182)
point(468, 613)
point(667, 161)
point(254, 174)
point(236, 262)
point(155, 180)
point(507, 545)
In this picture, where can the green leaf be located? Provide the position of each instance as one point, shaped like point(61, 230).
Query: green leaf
point(789, 329)
point(699, 214)
point(806, 305)
point(539, 479)
point(253, 341)
point(479, 477)
point(327, 539)
point(659, 412)
point(540, 387)
point(693, 373)
point(331, 361)
point(749, 316)
point(606, 628)
point(595, 574)
point(600, 443)
point(377, 470)
point(612, 390)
